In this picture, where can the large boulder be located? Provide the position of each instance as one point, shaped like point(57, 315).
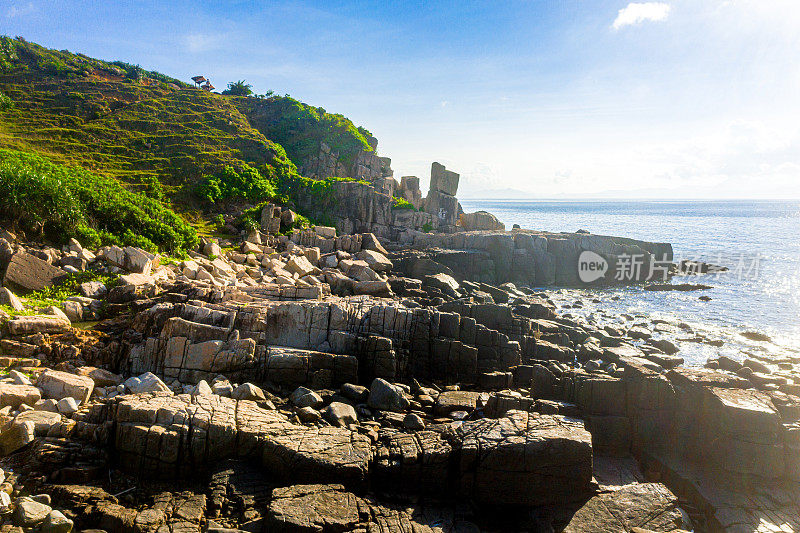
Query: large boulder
point(15, 435)
point(147, 382)
point(386, 396)
point(650, 506)
point(10, 299)
point(313, 508)
point(376, 260)
point(32, 273)
point(57, 385)
point(29, 325)
point(525, 459)
point(30, 513)
point(15, 395)
point(42, 421)
point(443, 180)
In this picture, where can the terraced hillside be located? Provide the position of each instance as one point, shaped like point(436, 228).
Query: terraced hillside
point(157, 135)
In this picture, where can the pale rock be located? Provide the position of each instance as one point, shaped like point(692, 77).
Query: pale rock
point(19, 378)
point(376, 260)
point(248, 391)
point(305, 397)
point(10, 299)
point(56, 522)
point(300, 265)
point(16, 435)
point(30, 513)
point(202, 389)
point(340, 414)
point(147, 382)
point(42, 421)
point(57, 385)
point(29, 325)
point(15, 395)
point(93, 289)
point(67, 406)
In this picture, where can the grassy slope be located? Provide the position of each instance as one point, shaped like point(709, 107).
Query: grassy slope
point(155, 134)
point(300, 128)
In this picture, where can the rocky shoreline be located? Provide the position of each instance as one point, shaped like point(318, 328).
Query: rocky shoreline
point(320, 383)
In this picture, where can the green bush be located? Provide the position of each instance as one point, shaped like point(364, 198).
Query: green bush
point(239, 88)
point(246, 183)
point(5, 102)
point(402, 203)
point(62, 202)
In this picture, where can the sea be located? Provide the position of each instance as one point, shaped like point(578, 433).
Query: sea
point(758, 240)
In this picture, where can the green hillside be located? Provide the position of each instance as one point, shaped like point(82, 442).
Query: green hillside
point(155, 134)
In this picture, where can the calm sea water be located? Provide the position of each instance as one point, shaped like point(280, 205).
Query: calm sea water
point(758, 240)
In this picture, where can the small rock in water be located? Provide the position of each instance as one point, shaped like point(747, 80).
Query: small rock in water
point(756, 336)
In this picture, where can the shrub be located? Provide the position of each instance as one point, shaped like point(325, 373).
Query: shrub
point(62, 202)
point(239, 88)
point(5, 102)
point(246, 183)
point(402, 203)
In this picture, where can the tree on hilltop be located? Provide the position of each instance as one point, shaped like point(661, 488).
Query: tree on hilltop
point(239, 88)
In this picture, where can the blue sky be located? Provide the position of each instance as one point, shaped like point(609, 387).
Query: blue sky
point(695, 98)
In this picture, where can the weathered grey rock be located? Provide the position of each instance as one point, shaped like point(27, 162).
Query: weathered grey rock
point(445, 283)
point(413, 422)
point(93, 289)
point(480, 221)
point(313, 508)
point(147, 382)
point(29, 272)
point(100, 376)
point(16, 395)
point(248, 391)
point(450, 401)
point(57, 385)
point(443, 180)
point(340, 414)
point(19, 378)
point(650, 506)
point(525, 459)
point(380, 289)
point(67, 406)
point(30, 513)
point(376, 260)
point(10, 299)
point(42, 421)
point(56, 522)
point(386, 396)
point(28, 325)
point(16, 435)
point(202, 389)
point(304, 397)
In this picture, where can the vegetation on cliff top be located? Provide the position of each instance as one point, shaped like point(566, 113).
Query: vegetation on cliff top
point(301, 128)
point(160, 137)
point(60, 202)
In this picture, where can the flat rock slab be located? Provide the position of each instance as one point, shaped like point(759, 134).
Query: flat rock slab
point(169, 435)
point(525, 459)
point(650, 506)
point(331, 509)
point(450, 401)
point(16, 395)
point(30, 272)
point(58, 385)
point(28, 325)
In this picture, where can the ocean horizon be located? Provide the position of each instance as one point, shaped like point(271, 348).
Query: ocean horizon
point(758, 240)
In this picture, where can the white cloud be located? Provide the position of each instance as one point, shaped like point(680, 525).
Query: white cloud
point(202, 42)
point(636, 13)
point(20, 10)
